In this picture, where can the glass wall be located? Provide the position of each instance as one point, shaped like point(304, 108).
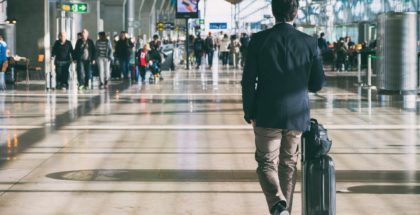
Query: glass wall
point(340, 17)
point(350, 11)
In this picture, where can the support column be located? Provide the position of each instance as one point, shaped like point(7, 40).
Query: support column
point(147, 17)
point(112, 18)
point(3, 12)
point(130, 8)
point(92, 21)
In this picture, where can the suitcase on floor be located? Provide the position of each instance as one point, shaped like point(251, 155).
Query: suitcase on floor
point(50, 82)
point(134, 73)
point(115, 70)
point(318, 179)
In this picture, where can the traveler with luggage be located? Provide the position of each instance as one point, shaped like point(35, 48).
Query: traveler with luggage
point(3, 63)
point(283, 64)
point(62, 52)
point(84, 55)
point(156, 58)
point(104, 54)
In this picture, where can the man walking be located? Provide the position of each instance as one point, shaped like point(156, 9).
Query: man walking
point(104, 53)
point(209, 46)
point(123, 52)
point(62, 53)
point(283, 64)
point(244, 47)
point(198, 50)
point(85, 55)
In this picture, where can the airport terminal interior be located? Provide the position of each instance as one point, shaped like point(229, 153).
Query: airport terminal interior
point(177, 142)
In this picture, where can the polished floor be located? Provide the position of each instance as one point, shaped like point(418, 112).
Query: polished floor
point(181, 147)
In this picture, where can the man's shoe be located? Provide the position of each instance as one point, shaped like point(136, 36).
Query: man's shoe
point(280, 209)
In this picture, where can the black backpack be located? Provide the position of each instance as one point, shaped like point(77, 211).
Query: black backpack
point(209, 44)
point(198, 45)
point(318, 143)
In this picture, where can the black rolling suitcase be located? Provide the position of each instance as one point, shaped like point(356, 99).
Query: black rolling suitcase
point(115, 70)
point(318, 173)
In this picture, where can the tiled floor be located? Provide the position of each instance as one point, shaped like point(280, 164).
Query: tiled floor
point(181, 147)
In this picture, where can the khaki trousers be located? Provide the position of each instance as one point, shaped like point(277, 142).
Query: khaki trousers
point(277, 157)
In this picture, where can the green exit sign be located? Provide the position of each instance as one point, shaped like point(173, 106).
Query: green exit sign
point(75, 7)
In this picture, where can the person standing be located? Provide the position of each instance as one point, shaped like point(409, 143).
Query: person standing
point(322, 43)
point(85, 55)
point(3, 63)
point(122, 53)
point(62, 52)
point(209, 47)
point(283, 64)
point(104, 58)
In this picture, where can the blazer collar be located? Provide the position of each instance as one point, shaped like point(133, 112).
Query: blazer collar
point(284, 25)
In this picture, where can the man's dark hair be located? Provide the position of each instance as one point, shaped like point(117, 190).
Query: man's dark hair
point(284, 10)
point(155, 37)
point(322, 34)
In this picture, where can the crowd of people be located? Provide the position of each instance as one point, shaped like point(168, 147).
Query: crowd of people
point(128, 58)
point(231, 50)
point(342, 54)
point(111, 58)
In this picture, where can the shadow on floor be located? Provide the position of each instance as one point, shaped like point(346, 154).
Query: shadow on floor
point(147, 175)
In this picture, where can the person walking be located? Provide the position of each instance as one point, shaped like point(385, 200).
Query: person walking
point(156, 44)
point(198, 50)
point(244, 47)
point(85, 55)
point(224, 49)
point(209, 48)
point(235, 50)
point(144, 60)
point(62, 53)
point(283, 64)
point(104, 58)
point(122, 53)
point(3, 63)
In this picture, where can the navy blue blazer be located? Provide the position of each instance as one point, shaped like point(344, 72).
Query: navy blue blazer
point(282, 65)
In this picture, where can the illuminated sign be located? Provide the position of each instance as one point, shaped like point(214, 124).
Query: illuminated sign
point(75, 7)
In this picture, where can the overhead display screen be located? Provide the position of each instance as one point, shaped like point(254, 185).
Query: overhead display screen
point(187, 9)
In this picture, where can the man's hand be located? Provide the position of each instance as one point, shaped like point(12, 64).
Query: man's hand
point(251, 121)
